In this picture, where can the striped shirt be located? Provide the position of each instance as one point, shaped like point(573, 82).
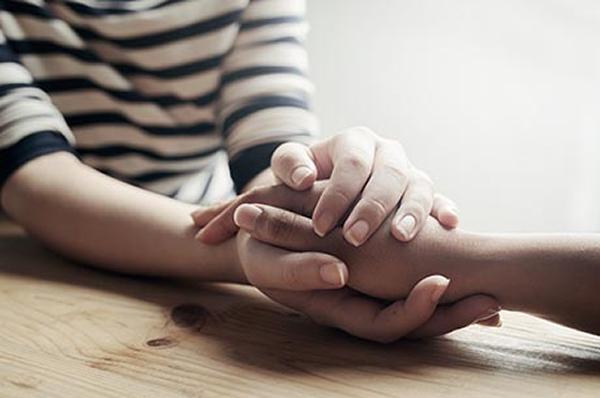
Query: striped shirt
point(154, 92)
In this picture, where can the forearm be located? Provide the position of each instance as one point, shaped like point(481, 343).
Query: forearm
point(98, 220)
point(553, 276)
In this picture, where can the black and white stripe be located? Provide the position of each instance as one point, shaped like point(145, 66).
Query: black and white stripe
point(150, 91)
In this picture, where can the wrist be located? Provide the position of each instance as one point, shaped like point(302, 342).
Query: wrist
point(211, 263)
point(465, 258)
point(502, 266)
point(230, 266)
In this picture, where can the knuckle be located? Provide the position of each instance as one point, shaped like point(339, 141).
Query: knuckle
point(252, 195)
point(415, 209)
point(422, 177)
point(419, 196)
point(263, 194)
point(395, 146)
point(284, 156)
point(341, 196)
point(285, 147)
point(397, 173)
point(356, 162)
point(378, 206)
point(363, 130)
point(280, 225)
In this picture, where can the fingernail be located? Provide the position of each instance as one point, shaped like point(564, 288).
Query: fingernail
point(439, 290)
point(487, 315)
point(300, 174)
point(245, 216)
point(497, 322)
point(333, 273)
point(407, 225)
point(453, 211)
point(323, 224)
point(358, 233)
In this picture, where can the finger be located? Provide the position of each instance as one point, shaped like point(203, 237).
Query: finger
point(381, 194)
point(351, 155)
point(365, 317)
point(270, 267)
point(223, 227)
point(203, 215)
point(402, 317)
point(343, 309)
point(492, 321)
point(292, 163)
point(278, 227)
point(414, 207)
point(458, 315)
point(445, 211)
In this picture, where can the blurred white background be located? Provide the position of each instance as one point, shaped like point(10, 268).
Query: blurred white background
point(499, 101)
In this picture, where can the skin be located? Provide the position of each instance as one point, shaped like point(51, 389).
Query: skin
point(85, 215)
point(91, 217)
point(552, 276)
point(368, 176)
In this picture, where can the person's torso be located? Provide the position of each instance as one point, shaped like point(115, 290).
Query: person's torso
point(135, 80)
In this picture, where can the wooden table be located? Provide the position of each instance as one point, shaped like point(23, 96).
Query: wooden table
point(71, 331)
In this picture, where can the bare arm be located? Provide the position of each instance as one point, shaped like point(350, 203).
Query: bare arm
point(91, 217)
point(555, 276)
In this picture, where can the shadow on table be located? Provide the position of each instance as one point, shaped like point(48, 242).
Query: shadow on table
point(255, 332)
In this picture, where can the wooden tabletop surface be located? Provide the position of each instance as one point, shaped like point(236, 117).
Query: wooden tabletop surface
point(71, 331)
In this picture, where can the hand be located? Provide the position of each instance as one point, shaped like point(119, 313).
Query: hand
point(418, 316)
point(270, 267)
point(288, 277)
point(346, 309)
point(292, 232)
point(266, 266)
point(369, 175)
point(382, 268)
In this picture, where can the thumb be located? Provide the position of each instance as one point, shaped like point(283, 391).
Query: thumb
point(293, 164)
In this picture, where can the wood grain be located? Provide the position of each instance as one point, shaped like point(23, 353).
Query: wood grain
point(72, 331)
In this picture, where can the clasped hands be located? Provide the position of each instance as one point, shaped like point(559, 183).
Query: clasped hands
point(354, 237)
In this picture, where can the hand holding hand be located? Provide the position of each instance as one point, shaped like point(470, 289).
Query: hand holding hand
point(417, 316)
point(309, 281)
point(382, 267)
point(368, 176)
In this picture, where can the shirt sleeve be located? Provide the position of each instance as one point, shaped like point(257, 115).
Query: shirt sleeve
point(30, 126)
point(265, 92)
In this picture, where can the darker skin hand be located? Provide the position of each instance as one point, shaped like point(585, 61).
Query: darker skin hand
point(382, 267)
point(414, 314)
point(291, 277)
